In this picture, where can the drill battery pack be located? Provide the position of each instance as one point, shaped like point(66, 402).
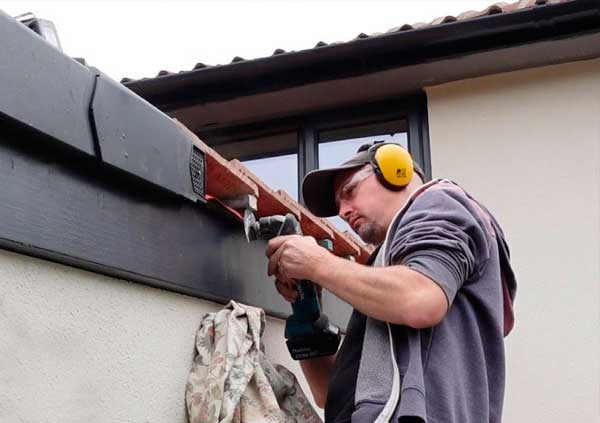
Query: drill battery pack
point(323, 344)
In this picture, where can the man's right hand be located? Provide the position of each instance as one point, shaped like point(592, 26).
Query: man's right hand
point(287, 290)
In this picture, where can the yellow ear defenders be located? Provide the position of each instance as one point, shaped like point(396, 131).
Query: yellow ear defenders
point(393, 165)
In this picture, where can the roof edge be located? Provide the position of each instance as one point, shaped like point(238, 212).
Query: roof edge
point(371, 54)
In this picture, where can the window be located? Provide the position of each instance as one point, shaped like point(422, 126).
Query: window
point(282, 151)
point(273, 158)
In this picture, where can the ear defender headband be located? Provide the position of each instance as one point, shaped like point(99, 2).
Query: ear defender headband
point(393, 165)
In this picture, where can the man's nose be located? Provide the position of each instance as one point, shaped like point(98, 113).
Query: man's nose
point(345, 210)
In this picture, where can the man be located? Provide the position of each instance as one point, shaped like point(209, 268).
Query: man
point(425, 340)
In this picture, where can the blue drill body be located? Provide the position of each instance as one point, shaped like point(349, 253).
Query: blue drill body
point(305, 310)
point(308, 331)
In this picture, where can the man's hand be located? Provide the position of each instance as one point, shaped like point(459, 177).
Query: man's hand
point(287, 290)
point(293, 258)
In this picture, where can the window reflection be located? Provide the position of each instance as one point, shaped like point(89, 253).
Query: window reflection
point(334, 153)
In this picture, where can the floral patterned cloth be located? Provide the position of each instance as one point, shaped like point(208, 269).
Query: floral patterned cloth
point(231, 379)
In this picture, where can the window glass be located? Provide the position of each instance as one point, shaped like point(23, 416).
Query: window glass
point(273, 158)
point(256, 148)
point(278, 172)
point(337, 146)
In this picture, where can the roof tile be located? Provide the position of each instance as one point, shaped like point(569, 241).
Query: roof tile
point(443, 20)
point(497, 8)
point(420, 25)
point(469, 14)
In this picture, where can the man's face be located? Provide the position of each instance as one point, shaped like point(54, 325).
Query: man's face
point(360, 201)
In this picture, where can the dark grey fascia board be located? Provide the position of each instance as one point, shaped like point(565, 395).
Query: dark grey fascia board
point(371, 55)
point(59, 204)
point(51, 93)
point(132, 135)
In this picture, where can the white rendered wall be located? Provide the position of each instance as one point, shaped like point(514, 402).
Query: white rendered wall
point(527, 144)
point(80, 347)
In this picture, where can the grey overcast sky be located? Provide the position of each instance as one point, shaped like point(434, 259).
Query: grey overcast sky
point(139, 38)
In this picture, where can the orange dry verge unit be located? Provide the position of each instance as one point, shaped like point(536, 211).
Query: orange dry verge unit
point(231, 186)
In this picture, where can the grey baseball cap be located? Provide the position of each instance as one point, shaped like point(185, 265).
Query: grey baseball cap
point(317, 186)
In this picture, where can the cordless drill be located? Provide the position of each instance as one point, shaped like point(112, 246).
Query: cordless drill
point(308, 331)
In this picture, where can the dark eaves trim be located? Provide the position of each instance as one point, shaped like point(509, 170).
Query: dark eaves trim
point(373, 54)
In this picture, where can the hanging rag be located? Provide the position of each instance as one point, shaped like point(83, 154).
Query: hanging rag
point(232, 380)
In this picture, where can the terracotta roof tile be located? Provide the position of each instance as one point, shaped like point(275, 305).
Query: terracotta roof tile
point(495, 9)
point(442, 20)
point(469, 14)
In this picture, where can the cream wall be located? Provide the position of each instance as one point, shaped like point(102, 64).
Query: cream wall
point(80, 347)
point(527, 144)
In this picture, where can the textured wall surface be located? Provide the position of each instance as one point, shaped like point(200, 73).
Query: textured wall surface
point(527, 144)
point(80, 347)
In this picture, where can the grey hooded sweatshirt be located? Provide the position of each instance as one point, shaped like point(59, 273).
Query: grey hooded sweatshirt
point(453, 372)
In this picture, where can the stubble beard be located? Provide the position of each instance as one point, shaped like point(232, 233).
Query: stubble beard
point(371, 233)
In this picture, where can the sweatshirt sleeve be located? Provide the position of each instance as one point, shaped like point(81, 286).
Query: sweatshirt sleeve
point(441, 236)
